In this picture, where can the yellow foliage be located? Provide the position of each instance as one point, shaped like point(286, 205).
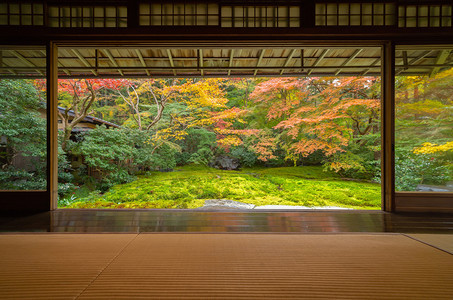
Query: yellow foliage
point(230, 141)
point(429, 148)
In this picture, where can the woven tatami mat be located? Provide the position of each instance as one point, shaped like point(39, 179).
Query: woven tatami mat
point(441, 241)
point(234, 266)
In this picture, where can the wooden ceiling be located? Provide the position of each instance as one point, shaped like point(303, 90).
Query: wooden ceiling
point(125, 62)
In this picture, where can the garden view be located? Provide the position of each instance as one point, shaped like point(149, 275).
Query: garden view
point(264, 142)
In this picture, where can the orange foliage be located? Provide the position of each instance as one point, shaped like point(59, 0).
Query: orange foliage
point(315, 113)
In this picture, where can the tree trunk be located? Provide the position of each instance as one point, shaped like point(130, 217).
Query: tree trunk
point(66, 137)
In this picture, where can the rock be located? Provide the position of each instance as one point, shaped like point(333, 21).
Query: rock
point(433, 188)
point(226, 204)
point(219, 204)
point(287, 207)
point(226, 163)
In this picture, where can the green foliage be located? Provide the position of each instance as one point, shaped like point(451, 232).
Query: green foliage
point(246, 157)
point(197, 147)
point(163, 158)
point(324, 112)
point(16, 179)
point(24, 132)
point(150, 155)
point(20, 121)
point(424, 114)
point(65, 177)
point(413, 169)
point(118, 154)
point(107, 150)
point(190, 186)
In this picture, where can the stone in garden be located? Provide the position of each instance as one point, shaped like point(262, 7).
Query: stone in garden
point(226, 163)
point(226, 204)
point(433, 188)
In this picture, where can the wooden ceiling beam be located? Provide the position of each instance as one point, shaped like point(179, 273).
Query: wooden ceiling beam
point(405, 60)
point(347, 61)
point(84, 61)
point(441, 59)
point(200, 57)
point(60, 65)
point(170, 58)
point(193, 58)
point(372, 65)
point(2, 63)
point(288, 59)
point(253, 68)
point(413, 61)
point(259, 61)
point(230, 64)
point(112, 59)
point(25, 61)
point(140, 57)
point(318, 60)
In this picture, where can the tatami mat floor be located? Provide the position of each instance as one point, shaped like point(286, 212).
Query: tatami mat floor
point(222, 266)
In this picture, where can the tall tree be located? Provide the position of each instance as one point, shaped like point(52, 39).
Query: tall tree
point(77, 97)
point(317, 114)
point(140, 95)
point(205, 106)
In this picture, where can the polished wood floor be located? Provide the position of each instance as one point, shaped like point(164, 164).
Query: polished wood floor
point(158, 221)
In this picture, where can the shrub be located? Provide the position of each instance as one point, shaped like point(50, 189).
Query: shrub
point(163, 158)
point(246, 157)
point(24, 132)
point(414, 169)
point(199, 147)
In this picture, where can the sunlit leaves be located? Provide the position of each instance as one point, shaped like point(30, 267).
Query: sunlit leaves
point(430, 148)
point(317, 113)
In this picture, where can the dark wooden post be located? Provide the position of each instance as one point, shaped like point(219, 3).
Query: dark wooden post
point(52, 123)
point(388, 127)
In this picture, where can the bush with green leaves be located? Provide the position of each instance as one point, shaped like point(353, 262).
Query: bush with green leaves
point(414, 169)
point(354, 164)
point(161, 157)
point(109, 152)
point(198, 147)
point(246, 157)
point(150, 154)
point(119, 154)
point(65, 177)
point(23, 133)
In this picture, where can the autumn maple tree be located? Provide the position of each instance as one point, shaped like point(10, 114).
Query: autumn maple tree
point(76, 97)
point(203, 104)
point(140, 95)
point(316, 114)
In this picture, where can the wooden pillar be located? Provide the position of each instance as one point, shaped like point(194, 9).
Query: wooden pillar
point(388, 127)
point(52, 123)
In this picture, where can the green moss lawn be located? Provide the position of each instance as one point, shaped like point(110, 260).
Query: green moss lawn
point(190, 186)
